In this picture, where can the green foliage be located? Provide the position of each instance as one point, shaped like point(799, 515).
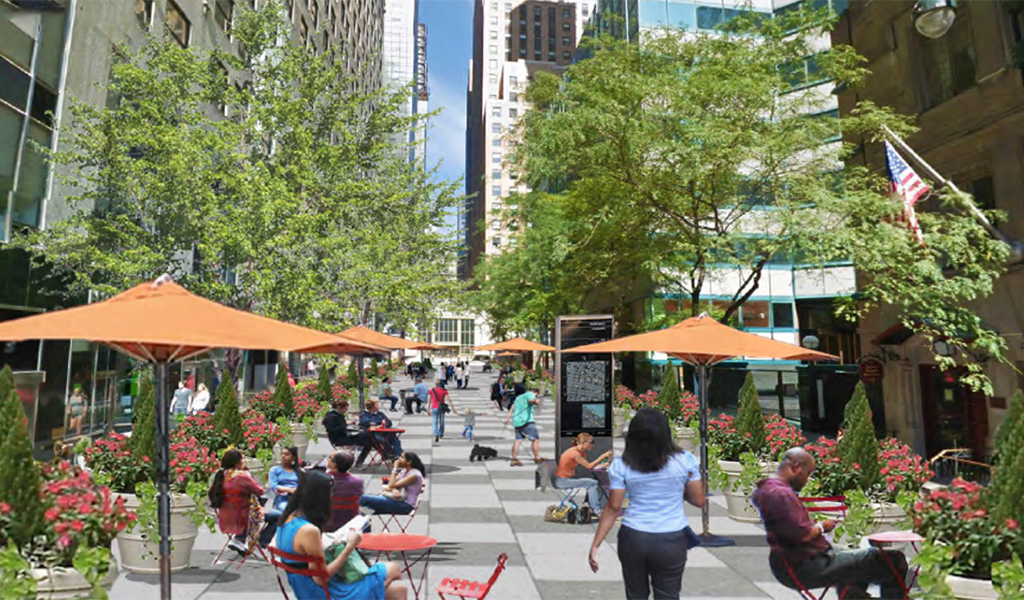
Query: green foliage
point(1007, 437)
point(228, 417)
point(934, 560)
point(20, 476)
point(327, 232)
point(324, 393)
point(7, 394)
point(1007, 486)
point(858, 520)
point(16, 583)
point(143, 439)
point(283, 395)
point(351, 375)
point(669, 397)
point(1008, 577)
point(93, 564)
point(749, 419)
point(858, 450)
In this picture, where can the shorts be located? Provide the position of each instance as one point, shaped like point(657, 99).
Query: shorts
point(527, 431)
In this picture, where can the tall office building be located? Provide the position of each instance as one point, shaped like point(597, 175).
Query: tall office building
point(511, 42)
point(352, 29)
point(421, 100)
point(401, 53)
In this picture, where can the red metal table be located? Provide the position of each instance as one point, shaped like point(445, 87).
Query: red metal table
point(378, 448)
point(890, 538)
point(600, 473)
point(386, 543)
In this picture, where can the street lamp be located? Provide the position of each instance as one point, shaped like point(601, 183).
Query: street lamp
point(810, 342)
point(933, 18)
point(943, 348)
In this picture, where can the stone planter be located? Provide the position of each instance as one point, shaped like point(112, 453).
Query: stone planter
point(257, 469)
point(738, 501)
point(319, 430)
point(971, 589)
point(139, 555)
point(886, 516)
point(65, 583)
point(620, 419)
point(687, 437)
point(300, 438)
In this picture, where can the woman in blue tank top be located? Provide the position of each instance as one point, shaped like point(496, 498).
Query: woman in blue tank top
point(299, 533)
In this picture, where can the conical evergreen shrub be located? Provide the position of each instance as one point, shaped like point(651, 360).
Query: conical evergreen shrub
point(749, 418)
point(351, 376)
point(668, 397)
point(1007, 487)
point(6, 391)
point(144, 427)
point(1005, 439)
point(283, 397)
point(858, 450)
point(323, 385)
point(19, 473)
point(228, 417)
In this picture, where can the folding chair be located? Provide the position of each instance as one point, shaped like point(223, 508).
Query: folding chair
point(348, 504)
point(463, 588)
point(388, 520)
point(835, 505)
point(545, 478)
point(300, 566)
point(242, 503)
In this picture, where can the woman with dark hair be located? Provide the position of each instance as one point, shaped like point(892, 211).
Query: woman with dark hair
point(284, 478)
point(402, 489)
point(348, 489)
point(300, 533)
point(232, 493)
point(654, 535)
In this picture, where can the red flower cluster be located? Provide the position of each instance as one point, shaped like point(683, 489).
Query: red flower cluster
point(832, 478)
point(901, 469)
point(200, 427)
point(780, 436)
point(191, 461)
point(259, 433)
point(112, 455)
point(76, 511)
point(625, 397)
point(722, 433)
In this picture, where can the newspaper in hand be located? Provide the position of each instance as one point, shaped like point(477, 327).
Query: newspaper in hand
point(341, 536)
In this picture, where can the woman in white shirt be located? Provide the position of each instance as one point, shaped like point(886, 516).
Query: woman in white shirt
point(200, 400)
point(655, 535)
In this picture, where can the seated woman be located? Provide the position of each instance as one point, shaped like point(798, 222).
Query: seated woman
point(371, 418)
point(346, 487)
point(565, 478)
point(232, 493)
point(299, 533)
point(387, 394)
point(284, 478)
point(408, 476)
point(338, 432)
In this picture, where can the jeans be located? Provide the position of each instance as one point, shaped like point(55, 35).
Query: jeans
point(438, 414)
point(458, 383)
point(467, 431)
point(390, 443)
point(393, 399)
point(854, 569)
point(594, 496)
point(652, 560)
point(383, 505)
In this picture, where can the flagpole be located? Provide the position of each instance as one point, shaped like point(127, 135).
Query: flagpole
point(971, 206)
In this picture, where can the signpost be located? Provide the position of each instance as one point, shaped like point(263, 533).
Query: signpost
point(583, 382)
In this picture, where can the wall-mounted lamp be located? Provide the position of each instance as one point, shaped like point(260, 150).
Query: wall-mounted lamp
point(933, 18)
point(943, 348)
point(810, 342)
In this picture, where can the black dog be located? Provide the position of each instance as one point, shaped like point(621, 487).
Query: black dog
point(481, 453)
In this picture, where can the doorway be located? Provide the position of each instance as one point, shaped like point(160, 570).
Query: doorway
point(954, 415)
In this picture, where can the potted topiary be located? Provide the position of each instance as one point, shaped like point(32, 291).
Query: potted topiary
point(259, 435)
point(625, 403)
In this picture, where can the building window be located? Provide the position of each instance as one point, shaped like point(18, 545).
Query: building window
point(494, 21)
point(496, 127)
point(177, 24)
point(514, 97)
point(513, 80)
point(513, 113)
point(536, 12)
point(551, 16)
point(144, 12)
point(492, 63)
point(565, 41)
point(447, 331)
point(585, 10)
point(522, 52)
point(493, 79)
point(468, 334)
point(493, 49)
point(508, 7)
point(536, 55)
point(948, 63)
point(496, 111)
point(566, 55)
point(496, 143)
point(782, 315)
point(566, 26)
point(565, 13)
point(496, 241)
point(494, 6)
point(222, 14)
point(496, 191)
point(494, 34)
point(496, 158)
point(496, 174)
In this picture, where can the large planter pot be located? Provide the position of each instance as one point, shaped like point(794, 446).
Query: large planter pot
point(257, 469)
point(687, 438)
point(65, 583)
point(738, 500)
point(887, 516)
point(300, 438)
point(620, 418)
point(139, 555)
point(971, 589)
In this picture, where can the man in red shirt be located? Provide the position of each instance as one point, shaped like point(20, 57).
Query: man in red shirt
point(798, 541)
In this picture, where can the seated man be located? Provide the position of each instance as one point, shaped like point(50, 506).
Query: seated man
point(419, 395)
point(336, 424)
point(372, 418)
point(796, 540)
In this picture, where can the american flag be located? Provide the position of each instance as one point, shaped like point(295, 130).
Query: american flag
point(907, 184)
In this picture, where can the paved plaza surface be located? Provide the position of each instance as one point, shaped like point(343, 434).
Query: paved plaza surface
point(478, 510)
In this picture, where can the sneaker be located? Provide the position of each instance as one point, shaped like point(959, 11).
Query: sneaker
point(515, 463)
point(539, 460)
point(238, 546)
point(437, 439)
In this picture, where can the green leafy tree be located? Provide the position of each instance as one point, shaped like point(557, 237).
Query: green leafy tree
point(749, 418)
point(271, 170)
point(1007, 487)
point(351, 375)
point(665, 159)
point(143, 440)
point(7, 394)
point(1007, 437)
point(323, 385)
point(858, 449)
point(228, 417)
point(19, 474)
point(669, 396)
point(284, 397)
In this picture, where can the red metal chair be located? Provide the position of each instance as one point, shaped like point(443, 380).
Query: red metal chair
point(347, 504)
point(463, 588)
point(388, 520)
point(240, 500)
point(301, 566)
point(835, 505)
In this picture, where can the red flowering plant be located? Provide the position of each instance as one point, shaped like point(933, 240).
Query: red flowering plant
point(112, 457)
point(830, 477)
point(76, 513)
point(648, 399)
point(900, 471)
point(200, 428)
point(780, 436)
point(624, 397)
point(689, 408)
point(726, 438)
point(260, 435)
point(191, 462)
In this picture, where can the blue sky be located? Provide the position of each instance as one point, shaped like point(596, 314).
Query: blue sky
point(449, 48)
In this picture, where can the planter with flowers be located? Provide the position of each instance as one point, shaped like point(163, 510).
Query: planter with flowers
point(295, 413)
point(625, 399)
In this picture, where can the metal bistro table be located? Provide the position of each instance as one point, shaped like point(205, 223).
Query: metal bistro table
point(889, 538)
point(378, 444)
point(402, 543)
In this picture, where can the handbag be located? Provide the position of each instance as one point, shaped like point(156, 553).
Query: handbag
point(556, 513)
point(354, 569)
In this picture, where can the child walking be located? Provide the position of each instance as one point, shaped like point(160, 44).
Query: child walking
point(467, 431)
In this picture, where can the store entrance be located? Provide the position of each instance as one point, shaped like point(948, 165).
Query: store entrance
point(954, 415)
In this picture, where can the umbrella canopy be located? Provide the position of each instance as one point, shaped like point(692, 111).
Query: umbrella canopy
point(702, 340)
point(364, 334)
point(507, 354)
point(164, 322)
point(518, 345)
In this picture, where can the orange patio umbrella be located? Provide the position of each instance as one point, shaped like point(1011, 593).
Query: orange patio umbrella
point(703, 342)
point(160, 323)
point(507, 354)
point(517, 345)
point(365, 334)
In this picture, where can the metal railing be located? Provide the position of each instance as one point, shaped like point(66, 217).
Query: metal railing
point(952, 463)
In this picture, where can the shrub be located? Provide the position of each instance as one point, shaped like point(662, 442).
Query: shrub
point(1007, 487)
point(351, 377)
point(19, 475)
point(227, 418)
point(143, 440)
point(201, 427)
point(779, 437)
point(112, 456)
point(749, 419)
point(668, 397)
point(7, 394)
point(624, 397)
point(259, 434)
point(900, 471)
point(723, 434)
point(858, 447)
point(191, 462)
point(284, 398)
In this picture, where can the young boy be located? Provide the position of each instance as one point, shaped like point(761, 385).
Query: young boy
point(467, 431)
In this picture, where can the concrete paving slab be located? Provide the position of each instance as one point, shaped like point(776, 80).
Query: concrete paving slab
point(484, 532)
point(458, 495)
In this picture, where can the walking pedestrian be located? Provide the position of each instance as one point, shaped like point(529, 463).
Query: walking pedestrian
point(458, 376)
point(654, 536)
point(439, 405)
point(467, 429)
point(465, 375)
point(522, 420)
point(200, 401)
point(182, 398)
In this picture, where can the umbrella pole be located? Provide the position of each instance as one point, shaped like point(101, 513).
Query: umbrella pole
point(706, 537)
point(163, 479)
point(359, 376)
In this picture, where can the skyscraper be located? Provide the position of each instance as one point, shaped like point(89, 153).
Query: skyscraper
point(511, 42)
